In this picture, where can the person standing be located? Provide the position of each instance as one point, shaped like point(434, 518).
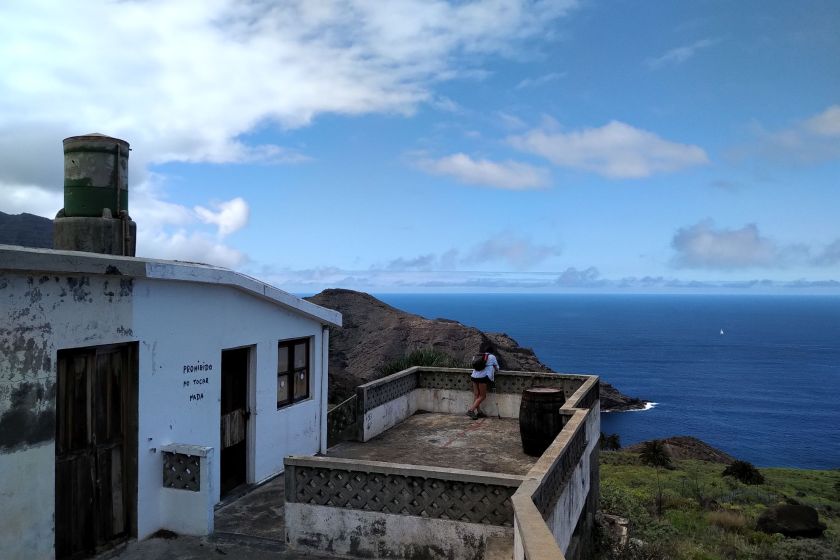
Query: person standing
point(483, 378)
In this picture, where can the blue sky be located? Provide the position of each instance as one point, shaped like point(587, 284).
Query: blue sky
point(432, 146)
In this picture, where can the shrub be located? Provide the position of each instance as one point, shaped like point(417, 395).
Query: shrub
point(618, 500)
point(421, 357)
point(803, 549)
point(727, 520)
point(610, 442)
point(745, 472)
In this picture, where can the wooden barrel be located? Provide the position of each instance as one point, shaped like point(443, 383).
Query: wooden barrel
point(539, 418)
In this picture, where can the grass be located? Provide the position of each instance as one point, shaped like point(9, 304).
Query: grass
point(706, 516)
point(421, 357)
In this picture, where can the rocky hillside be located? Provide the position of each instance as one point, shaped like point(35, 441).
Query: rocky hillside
point(375, 333)
point(27, 230)
point(688, 447)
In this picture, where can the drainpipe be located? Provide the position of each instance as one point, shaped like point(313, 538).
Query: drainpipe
point(325, 379)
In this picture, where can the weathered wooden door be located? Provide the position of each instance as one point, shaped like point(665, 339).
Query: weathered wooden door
point(94, 461)
point(234, 425)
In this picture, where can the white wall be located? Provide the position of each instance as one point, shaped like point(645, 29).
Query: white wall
point(450, 401)
point(388, 415)
point(178, 324)
point(183, 324)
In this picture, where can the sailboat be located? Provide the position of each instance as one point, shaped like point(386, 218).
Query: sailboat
point(721, 331)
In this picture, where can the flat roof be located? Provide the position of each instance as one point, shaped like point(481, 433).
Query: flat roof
point(446, 440)
point(27, 259)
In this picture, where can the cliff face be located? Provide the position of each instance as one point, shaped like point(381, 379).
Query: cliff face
point(26, 230)
point(375, 333)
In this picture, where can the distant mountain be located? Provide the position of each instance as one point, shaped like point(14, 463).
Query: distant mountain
point(27, 230)
point(375, 333)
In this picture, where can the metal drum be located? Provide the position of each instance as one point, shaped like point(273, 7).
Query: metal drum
point(95, 175)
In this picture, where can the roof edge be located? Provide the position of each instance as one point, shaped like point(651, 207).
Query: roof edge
point(15, 258)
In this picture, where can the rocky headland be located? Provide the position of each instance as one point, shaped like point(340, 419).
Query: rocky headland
point(687, 447)
point(375, 333)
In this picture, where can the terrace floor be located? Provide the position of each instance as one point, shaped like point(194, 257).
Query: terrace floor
point(446, 440)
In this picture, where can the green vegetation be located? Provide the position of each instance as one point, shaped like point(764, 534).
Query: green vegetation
point(421, 357)
point(611, 442)
point(745, 472)
point(693, 512)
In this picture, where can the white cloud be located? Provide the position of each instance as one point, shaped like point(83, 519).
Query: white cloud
point(704, 246)
point(190, 246)
point(615, 150)
point(510, 121)
point(571, 279)
point(540, 80)
point(830, 255)
point(511, 250)
point(812, 140)
point(16, 199)
point(826, 123)
point(167, 230)
point(187, 81)
point(680, 54)
point(184, 81)
point(574, 278)
point(422, 262)
point(230, 216)
point(503, 175)
point(508, 250)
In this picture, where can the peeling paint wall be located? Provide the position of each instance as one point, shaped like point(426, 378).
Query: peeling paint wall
point(41, 314)
point(182, 328)
point(365, 534)
point(572, 501)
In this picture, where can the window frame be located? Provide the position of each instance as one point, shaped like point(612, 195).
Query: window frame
point(292, 372)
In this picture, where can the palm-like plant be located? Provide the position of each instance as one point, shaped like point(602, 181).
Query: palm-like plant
point(654, 454)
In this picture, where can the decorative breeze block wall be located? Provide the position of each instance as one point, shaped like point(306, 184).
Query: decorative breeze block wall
point(181, 472)
point(437, 498)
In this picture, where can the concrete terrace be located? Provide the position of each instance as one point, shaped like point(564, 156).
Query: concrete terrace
point(407, 474)
point(445, 440)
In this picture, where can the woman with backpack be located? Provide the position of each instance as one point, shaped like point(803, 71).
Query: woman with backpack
point(485, 365)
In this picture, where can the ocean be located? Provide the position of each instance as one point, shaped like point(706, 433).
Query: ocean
point(755, 376)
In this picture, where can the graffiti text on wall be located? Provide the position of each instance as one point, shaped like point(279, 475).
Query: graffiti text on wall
point(192, 384)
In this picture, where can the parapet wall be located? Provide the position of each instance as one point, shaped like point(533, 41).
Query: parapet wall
point(386, 402)
point(374, 509)
point(555, 505)
point(552, 510)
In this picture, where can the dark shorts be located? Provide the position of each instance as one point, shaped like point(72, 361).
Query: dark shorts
point(482, 380)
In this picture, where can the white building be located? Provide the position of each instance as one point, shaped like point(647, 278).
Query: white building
point(134, 393)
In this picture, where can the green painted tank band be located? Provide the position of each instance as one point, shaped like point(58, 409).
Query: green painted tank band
point(90, 201)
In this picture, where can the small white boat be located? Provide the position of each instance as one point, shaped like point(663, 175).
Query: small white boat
point(721, 331)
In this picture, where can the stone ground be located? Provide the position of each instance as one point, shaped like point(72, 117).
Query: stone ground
point(249, 527)
point(446, 440)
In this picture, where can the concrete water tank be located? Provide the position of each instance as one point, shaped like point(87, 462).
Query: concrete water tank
point(95, 175)
point(95, 214)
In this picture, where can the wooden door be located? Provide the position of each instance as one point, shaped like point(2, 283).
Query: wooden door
point(94, 460)
point(234, 419)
